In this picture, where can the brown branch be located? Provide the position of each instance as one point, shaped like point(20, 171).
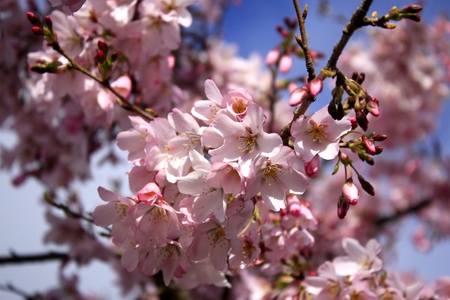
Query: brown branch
point(384, 220)
point(21, 259)
point(356, 22)
point(303, 40)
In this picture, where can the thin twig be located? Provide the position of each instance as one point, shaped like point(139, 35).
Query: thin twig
point(105, 83)
point(303, 41)
point(356, 22)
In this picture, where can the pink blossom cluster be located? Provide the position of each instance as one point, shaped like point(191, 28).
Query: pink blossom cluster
point(199, 187)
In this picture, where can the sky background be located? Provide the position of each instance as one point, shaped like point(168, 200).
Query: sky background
point(252, 27)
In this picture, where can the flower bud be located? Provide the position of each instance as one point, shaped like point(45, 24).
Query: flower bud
point(37, 30)
point(312, 167)
point(353, 122)
point(34, 19)
point(298, 95)
point(366, 185)
point(362, 120)
point(315, 86)
point(368, 145)
point(372, 106)
point(48, 23)
point(379, 137)
point(342, 207)
point(285, 63)
point(272, 56)
point(101, 44)
point(350, 192)
point(378, 150)
point(100, 57)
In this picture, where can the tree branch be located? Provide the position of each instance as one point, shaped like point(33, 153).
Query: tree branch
point(382, 221)
point(21, 259)
point(356, 22)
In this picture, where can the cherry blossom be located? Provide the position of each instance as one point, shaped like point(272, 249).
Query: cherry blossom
point(318, 134)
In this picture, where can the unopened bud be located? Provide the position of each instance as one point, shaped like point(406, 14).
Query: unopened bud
point(366, 185)
point(378, 150)
point(379, 137)
point(272, 56)
point(298, 95)
point(114, 56)
point(362, 120)
point(342, 207)
point(368, 145)
point(37, 30)
point(369, 160)
point(49, 23)
point(350, 192)
point(312, 167)
point(102, 46)
point(372, 106)
point(315, 86)
point(100, 57)
point(412, 8)
point(34, 19)
point(353, 122)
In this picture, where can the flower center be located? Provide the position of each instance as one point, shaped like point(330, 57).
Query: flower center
point(270, 174)
point(239, 106)
point(248, 142)
point(317, 132)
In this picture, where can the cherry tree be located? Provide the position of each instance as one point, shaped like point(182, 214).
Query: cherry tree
point(237, 188)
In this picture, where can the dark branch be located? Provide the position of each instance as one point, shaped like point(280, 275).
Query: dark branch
point(356, 22)
point(382, 221)
point(21, 259)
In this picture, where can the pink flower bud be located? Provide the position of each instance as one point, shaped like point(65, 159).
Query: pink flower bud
point(350, 192)
point(295, 207)
point(272, 56)
point(353, 122)
point(372, 106)
point(286, 63)
point(368, 145)
point(298, 95)
point(315, 86)
point(312, 167)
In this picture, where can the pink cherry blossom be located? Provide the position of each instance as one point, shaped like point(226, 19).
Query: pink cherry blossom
point(318, 134)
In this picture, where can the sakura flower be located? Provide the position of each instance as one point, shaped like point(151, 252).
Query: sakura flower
point(69, 6)
point(237, 101)
point(169, 258)
point(245, 140)
point(206, 110)
point(179, 7)
point(327, 285)
point(359, 259)
point(275, 176)
point(244, 250)
point(135, 139)
point(115, 212)
point(318, 134)
point(209, 200)
point(398, 288)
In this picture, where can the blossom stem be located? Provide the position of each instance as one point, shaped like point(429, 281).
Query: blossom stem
point(123, 102)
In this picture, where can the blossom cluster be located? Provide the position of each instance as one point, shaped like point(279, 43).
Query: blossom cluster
point(199, 187)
